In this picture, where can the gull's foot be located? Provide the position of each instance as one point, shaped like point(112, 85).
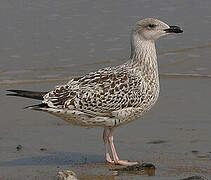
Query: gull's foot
point(108, 160)
point(126, 163)
point(122, 162)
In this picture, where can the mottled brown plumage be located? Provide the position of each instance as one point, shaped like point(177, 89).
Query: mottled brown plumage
point(113, 96)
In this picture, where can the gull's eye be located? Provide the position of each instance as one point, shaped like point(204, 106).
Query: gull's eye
point(152, 25)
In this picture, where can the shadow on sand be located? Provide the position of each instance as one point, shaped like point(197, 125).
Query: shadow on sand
point(58, 158)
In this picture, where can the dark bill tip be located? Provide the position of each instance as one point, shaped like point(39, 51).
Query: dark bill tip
point(173, 29)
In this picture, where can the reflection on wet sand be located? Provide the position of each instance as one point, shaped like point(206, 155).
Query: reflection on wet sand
point(100, 177)
point(186, 49)
point(175, 75)
point(162, 75)
point(118, 175)
point(138, 169)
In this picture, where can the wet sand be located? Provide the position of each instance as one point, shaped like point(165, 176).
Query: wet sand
point(42, 45)
point(175, 137)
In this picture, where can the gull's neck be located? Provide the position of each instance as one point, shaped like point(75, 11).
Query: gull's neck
point(143, 55)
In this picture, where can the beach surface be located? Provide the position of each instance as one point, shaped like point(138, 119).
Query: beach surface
point(44, 44)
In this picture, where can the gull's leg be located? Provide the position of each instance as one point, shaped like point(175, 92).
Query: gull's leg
point(105, 139)
point(114, 153)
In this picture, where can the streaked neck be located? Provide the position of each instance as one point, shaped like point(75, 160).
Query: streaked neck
point(143, 54)
point(140, 48)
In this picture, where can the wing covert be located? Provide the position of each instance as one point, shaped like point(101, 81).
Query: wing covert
point(101, 92)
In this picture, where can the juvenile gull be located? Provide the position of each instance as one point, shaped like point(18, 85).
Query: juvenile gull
point(111, 96)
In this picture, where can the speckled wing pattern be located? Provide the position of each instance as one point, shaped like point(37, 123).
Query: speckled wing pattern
point(101, 93)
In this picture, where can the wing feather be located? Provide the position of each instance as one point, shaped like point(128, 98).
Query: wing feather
point(102, 92)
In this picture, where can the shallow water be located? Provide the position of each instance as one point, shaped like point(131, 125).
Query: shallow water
point(45, 42)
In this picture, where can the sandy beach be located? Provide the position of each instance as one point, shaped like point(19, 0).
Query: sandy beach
point(39, 49)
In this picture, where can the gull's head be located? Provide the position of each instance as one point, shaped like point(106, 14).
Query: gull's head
point(152, 29)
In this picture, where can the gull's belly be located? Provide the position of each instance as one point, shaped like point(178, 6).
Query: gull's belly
point(116, 118)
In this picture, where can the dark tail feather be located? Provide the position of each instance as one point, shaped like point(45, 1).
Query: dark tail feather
point(27, 94)
point(38, 107)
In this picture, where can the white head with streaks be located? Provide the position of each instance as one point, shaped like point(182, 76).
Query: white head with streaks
point(152, 29)
point(145, 33)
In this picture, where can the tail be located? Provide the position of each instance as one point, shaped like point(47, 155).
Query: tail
point(27, 94)
point(31, 95)
point(38, 107)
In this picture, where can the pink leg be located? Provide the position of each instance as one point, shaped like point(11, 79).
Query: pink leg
point(114, 153)
point(105, 139)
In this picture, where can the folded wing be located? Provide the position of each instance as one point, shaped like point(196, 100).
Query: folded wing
point(101, 93)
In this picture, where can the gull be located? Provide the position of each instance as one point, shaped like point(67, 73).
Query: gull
point(111, 96)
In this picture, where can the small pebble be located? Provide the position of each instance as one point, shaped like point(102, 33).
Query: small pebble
point(19, 147)
point(202, 156)
point(195, 151)
point(195, 178)
point(43, 149)
point(157, 142)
